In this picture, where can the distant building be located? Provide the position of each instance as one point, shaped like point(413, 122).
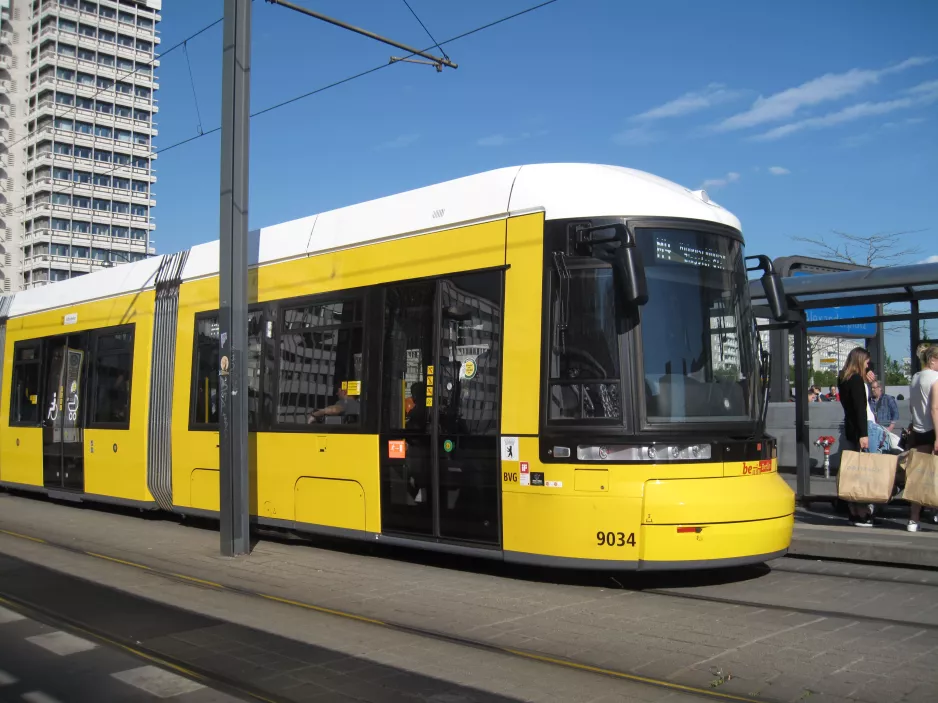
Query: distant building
point(77, 111)
point(830, 353)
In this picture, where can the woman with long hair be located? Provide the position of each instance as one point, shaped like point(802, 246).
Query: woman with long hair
point(860, 428)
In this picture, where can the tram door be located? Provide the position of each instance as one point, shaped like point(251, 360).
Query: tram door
point(63, 447)
point(441, 408)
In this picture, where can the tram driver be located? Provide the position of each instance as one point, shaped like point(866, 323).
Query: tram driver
point(346, 407)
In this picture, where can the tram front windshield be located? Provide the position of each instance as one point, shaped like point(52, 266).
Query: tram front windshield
point(698, 360)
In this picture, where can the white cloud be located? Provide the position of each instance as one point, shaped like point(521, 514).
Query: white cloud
point(400, 142)
point(920, 95)
point(778, 171)
point(714, 183)
point(831, 86)
point(493, 140)
point(926, 88)
point(694, 101)
point(930, 260)
point(636, 136)
point(502, 139)
point(908, 121)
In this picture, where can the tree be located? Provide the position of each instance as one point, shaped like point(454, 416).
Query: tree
point(880, 249)
point(894, 373)
point(873, 250)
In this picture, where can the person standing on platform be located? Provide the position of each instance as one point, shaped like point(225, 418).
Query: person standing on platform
point(884, 407)
point(923, 402)
point(860, 429)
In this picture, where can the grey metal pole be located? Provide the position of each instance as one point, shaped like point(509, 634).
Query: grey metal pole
point(778, 345)
point(802, 440)
point(233, 278)
point(878, 350)
point(914, 339)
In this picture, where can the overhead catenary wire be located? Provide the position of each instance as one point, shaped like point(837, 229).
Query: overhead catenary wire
point(195, 97)
point(337, 83)
point(362, 74)
point(434, 60)
point(435, 42)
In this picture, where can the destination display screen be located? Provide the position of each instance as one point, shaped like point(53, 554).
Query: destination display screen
point(676, 249)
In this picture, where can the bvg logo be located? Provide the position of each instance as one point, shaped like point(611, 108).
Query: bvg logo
point(509, 477)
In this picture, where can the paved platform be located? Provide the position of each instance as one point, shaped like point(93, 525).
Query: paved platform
point(793, 630)
point(823, 533)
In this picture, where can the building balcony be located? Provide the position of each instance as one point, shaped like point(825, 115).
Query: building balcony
point(98, 241)
point(108, 119)
point(99, 69)
point(103, 143)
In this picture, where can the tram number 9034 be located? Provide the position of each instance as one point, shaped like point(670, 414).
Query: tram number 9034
point(615, 539)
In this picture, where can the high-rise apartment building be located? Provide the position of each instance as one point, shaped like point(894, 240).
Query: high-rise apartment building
point(77, 123)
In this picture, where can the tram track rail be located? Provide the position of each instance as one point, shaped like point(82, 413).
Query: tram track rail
point(236, 688)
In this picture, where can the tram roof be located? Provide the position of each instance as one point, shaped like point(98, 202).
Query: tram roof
point(560, 191)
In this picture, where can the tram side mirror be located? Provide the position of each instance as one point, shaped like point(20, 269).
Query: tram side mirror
point(615, 243)
point(628, 268)
point(772, 285)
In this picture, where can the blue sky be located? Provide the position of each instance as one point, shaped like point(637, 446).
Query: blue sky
point(800, 117)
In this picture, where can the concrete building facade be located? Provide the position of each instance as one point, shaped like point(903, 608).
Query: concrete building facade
point(77, 124)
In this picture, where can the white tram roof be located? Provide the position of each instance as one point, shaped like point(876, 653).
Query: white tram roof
point(560, 191)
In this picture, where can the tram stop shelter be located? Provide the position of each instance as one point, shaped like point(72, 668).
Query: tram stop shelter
point(910, 285)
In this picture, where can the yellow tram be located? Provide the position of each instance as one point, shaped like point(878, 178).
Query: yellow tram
point(552, 364)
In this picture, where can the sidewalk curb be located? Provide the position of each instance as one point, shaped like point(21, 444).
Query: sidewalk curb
point(846, 544)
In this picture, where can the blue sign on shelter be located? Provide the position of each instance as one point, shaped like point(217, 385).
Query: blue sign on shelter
point(866, 330)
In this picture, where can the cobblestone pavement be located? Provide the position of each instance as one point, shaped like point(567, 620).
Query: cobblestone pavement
point(801, 634)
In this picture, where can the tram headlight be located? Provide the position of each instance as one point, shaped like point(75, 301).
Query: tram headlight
point(627, 453)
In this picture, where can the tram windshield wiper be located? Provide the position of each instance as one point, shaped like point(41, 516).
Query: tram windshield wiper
point(563, 314)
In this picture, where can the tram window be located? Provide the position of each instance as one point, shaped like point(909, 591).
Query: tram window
point(408, 351)
point(205, 372)
point(698, 359)
point(112, 372)
point(320, 374)
point(584, 358)
point(24, 392)
point(205, 369)
point(255, 357)
point(470, 347)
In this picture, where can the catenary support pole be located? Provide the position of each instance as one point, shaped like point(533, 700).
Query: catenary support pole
point(233, 279)
point(802, 440)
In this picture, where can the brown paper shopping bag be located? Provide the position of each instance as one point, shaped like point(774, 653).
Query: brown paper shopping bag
point(865, 477)
point(921, 478)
